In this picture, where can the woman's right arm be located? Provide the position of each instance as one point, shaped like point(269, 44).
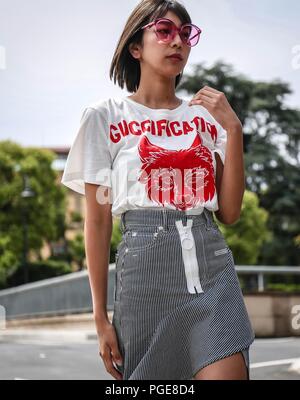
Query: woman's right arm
point(97, 233)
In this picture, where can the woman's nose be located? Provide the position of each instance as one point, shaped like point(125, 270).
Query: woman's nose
point(177, 39)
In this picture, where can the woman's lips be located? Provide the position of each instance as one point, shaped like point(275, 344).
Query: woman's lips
point(175, 58)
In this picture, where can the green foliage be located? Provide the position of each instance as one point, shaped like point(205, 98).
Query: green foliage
point(77, 250)
point(283, 287)
point(116, 237)
point(8, 259)
point(39, 270)
point(271, 146)
point(248, 234)
point(76, 217)
point(44, 212)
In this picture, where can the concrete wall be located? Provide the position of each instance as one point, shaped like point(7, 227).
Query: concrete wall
point(274, 315)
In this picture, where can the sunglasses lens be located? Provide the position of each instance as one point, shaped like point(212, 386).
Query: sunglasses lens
point(165, 31)
point(190, 35)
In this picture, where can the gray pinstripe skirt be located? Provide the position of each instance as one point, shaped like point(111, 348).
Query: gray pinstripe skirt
point(178, 304)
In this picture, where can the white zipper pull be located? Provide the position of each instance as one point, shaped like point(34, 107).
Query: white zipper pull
point(189, 256)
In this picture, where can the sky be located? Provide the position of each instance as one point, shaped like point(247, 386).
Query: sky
point(55, 56)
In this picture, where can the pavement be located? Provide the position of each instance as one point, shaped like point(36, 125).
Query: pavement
point(70, 328)
point(67, 347)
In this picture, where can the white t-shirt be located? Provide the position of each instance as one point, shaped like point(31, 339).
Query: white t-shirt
point(155, 158)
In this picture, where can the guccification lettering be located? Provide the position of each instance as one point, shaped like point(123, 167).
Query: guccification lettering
point(160, 128)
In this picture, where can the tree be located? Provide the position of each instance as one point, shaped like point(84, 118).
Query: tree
point(271, 145)
point(247, 236)
point(45, 211)
point(77, 250)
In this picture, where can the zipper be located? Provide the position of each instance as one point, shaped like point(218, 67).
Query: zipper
point(189, 256)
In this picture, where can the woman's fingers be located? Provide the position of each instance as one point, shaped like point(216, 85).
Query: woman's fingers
point(110, 353)
point(116, 355)
point(210, 89)
point(203, 100)
point(108, 363)
point(208, 92)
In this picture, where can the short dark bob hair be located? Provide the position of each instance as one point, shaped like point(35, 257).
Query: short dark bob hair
point(124, 68)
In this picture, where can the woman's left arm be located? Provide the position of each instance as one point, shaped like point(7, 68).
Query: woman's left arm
point(231, 186)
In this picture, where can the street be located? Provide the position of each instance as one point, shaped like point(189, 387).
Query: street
point(271, 359)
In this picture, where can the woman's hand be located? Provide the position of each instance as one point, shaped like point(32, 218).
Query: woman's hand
point(109, 350)
point(217, 104)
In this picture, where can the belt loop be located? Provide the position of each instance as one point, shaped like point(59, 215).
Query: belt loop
point(122, 222)
point(208, 218)
point(165, 219)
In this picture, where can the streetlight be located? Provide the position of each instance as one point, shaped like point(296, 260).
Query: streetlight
point(26, 193)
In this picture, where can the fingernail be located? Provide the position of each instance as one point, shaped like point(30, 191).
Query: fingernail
point(119, 362)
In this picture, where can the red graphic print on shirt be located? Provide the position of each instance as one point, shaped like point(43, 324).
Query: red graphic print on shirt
point(183, 178)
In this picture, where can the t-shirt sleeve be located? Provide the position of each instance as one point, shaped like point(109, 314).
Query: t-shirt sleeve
point(221, 142)
point(89, 159)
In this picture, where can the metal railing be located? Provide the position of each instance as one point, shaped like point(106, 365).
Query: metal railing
point(262, 270)
point(70, 294)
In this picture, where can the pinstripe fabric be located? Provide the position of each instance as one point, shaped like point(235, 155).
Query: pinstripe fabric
point(163, 330)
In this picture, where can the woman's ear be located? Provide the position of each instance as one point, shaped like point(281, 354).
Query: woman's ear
point(134, 50)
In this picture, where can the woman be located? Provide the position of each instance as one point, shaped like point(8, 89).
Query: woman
point(163, 165)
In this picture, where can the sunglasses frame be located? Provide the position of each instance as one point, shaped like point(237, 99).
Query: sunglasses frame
point(179, 30)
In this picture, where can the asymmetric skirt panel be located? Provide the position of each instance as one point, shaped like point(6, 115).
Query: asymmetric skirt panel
point(178, 304)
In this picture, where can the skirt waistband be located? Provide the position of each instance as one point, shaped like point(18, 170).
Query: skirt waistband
point(163, 217)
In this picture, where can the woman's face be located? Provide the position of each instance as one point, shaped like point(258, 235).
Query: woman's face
point(153, 55)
